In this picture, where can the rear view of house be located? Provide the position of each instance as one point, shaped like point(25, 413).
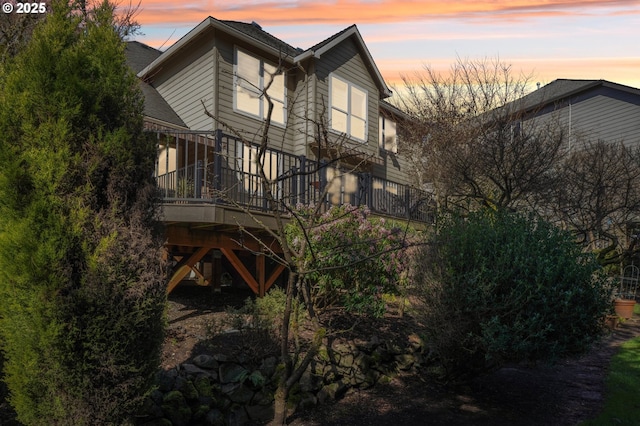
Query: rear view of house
point(205, 103)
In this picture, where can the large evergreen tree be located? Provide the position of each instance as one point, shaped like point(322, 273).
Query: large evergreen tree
point(82, 286)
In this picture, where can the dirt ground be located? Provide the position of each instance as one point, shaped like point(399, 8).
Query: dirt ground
point(563, 394)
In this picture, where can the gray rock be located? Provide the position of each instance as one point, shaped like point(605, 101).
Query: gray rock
point(241, 394)
point(232, 373)
point(166, 379)
point(206, 361)
point(260, 413)
point(214, 418)
point(194, 370)
point(175, 408)
point(237, 416)
point(268, 366)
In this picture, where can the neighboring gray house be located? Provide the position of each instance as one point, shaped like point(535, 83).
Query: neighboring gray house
point(223, 67)
point(589, 109)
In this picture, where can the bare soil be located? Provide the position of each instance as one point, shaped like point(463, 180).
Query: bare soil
point(566, 393)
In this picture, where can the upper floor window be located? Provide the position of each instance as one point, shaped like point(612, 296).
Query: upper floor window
point(388, 137)
point(252, 75)
point(348, 103)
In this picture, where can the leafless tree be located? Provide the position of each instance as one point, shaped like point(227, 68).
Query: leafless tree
point(16, 28)
point(336, 156)
point(599, 197)
point(472, 140)
point(15, 31)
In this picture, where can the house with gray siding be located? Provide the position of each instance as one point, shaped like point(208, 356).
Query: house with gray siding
point(205, 104)
point(589, 110)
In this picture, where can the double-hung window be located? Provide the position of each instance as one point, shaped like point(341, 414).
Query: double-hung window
point(252, 76)
point(387, 137)
point(348, 108)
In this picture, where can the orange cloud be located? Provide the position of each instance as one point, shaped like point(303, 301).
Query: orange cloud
point(299, 12)
point(623, 70)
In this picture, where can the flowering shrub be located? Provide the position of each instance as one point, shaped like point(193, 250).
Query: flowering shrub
point(349, 258)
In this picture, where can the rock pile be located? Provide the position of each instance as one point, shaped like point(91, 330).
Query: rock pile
point(215, 390)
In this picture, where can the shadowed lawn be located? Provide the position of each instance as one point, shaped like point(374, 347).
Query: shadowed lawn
point(622, 404)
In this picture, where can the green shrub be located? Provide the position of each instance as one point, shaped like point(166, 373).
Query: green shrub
point(82, 286)
point(498, 287)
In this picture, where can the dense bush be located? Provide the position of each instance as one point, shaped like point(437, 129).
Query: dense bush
point(82, 287)
point(498, 286)
point(352, 259)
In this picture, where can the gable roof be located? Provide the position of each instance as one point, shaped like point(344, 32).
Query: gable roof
point(253, 34)
point(250, 33)
point(350, 32)
point(562, 89)
point(139, 55)
point(256, 32)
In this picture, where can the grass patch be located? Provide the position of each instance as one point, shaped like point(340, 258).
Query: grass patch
point(622, 404)
point(636, 309)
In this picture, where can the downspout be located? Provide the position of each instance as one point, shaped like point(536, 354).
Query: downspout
point(216, 85)
point(570, 127)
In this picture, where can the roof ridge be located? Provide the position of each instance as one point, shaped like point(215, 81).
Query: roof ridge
point(254, 26)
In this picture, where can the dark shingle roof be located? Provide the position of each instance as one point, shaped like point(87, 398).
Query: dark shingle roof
point(255, 31)
point(139, 56)
point(561, 89)
point(330, 39)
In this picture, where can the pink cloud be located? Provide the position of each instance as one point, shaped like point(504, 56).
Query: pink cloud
point(299, 12)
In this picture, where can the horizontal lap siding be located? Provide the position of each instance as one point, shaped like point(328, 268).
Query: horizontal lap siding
point(302, 114)
point(185, 82)
point(345, 61)
point(608, 119)
point(249, 127)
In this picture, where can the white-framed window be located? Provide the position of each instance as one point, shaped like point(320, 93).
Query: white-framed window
point(251, 77)
point(348, 108)
point(387, 135)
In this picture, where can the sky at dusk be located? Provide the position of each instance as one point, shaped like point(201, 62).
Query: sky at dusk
point(544, 39)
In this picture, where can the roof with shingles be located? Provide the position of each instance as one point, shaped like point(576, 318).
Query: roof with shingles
point(138, 56)
point(337, 35)
point(255, 31)
point(562, 89)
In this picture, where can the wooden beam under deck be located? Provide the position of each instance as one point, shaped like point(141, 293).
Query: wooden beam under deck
point(184, 268)
point(194, 241)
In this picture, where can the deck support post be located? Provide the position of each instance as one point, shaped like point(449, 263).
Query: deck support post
point(184, 267)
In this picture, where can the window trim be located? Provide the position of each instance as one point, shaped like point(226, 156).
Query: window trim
point(261, 76)
point(349, 114)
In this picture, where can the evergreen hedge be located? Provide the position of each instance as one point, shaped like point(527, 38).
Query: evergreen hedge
point(499, 286)
point(82, 286)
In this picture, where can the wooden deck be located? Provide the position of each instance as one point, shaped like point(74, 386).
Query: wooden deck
point(215, 212)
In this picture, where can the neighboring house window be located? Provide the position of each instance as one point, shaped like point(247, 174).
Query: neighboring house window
point(388, 138)
point(348, 108)
point(251, 77)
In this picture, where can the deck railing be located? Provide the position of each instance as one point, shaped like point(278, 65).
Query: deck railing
point(217, 168)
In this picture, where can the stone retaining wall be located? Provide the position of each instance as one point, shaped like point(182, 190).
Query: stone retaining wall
point(215, 390)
